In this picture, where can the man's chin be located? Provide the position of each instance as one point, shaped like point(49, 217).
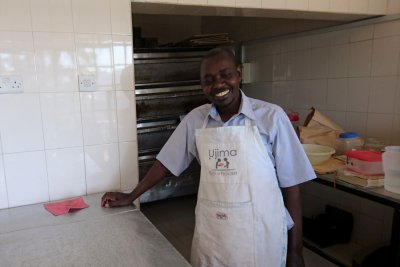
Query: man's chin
point(222, 102)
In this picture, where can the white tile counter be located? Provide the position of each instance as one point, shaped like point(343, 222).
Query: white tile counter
point(95, 236)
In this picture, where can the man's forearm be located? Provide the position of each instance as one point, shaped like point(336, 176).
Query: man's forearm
point(293, 203)
point(156, 173)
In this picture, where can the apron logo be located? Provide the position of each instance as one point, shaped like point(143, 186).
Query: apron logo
point(222, 164)
point(221, 156)
point(222, 216)
point(216, 153)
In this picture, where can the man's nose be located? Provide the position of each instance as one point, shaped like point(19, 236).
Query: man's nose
point(219, 81)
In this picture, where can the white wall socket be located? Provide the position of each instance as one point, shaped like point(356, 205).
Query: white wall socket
point(87, 83)
point(11, 84)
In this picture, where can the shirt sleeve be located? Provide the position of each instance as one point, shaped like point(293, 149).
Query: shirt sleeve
point(291, 162)
point(177, 153)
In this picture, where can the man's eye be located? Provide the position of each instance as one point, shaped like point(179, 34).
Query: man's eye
point(226, 75)
point(208, 81)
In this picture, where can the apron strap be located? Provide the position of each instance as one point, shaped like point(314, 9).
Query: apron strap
point(205, 122)
point(247, 121)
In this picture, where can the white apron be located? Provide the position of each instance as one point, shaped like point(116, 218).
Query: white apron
point(240, 215)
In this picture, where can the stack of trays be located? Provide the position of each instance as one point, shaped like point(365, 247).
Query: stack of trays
point(214, 39)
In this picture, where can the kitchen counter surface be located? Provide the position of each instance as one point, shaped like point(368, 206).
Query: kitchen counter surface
point(96, 236)
point(379, 194)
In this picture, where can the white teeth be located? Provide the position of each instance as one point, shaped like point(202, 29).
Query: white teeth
point(222, 93)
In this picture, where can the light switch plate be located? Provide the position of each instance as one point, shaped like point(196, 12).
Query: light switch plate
point(87, 83)
point(11, 84)
point(246, 72)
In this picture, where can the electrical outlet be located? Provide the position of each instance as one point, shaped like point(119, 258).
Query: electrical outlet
point(87, 83)
point(11, 84)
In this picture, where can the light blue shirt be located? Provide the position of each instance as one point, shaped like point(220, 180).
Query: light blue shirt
point(283, 146)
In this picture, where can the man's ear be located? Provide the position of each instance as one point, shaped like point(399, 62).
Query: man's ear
point(239, 69)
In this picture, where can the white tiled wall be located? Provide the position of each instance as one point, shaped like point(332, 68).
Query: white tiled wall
point(57, 142)
point(66, 179)
point(26, 178)
point(351, 74)
point(346, 73)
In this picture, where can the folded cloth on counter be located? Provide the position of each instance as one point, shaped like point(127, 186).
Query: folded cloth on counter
point(329, 166)
point(65, 206)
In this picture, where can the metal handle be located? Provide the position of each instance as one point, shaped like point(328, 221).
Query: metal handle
point(152, 124)
point(160, 88)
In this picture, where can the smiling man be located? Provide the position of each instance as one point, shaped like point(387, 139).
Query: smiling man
point(243, 211)
point(220, 80)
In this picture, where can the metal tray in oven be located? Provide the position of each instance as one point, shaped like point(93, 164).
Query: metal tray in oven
point(171, 186)
point(167, 67)
point(155, 103)
point(154, 134)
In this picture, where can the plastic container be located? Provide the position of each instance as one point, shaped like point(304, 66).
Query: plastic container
point(318, 154)
point(348, 141)
point(391, 167)
point(365, 162)
point(375, 144)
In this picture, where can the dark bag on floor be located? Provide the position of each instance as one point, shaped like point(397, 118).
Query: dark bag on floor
point(329, 228)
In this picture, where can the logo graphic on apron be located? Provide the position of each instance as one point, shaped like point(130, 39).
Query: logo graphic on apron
point(221, 156)
point(221, 216)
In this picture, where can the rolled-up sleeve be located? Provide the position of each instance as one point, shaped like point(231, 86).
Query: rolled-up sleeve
point(291, 162)
point(179, 151)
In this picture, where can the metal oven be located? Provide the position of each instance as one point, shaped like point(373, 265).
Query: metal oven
point(167, 87)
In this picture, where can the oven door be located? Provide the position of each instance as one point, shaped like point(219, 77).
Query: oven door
point(171, 186)
point(154, 67)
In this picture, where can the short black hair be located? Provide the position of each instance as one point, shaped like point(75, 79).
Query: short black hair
point(219, 51)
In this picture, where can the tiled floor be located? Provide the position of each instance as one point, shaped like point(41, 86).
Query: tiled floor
point(174, 218)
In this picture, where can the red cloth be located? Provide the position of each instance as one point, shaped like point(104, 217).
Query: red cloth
point(62, 207)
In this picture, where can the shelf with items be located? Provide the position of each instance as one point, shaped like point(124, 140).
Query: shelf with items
point(342, 254)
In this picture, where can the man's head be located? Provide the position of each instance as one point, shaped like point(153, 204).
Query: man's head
point(220, 77)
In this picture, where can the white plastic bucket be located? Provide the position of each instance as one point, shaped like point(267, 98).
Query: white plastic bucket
point(391, 168)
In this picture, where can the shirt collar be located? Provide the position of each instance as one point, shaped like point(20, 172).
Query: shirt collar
point(245, 108)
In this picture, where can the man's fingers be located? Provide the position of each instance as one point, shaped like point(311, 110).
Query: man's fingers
point(104, 199)
point(111, 203)
point(114, 199)
point(107, 197)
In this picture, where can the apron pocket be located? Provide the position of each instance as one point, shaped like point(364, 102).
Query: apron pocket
point(225, 233)
point(224, 193)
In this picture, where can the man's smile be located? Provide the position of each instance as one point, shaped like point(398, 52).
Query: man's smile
point(222, 93)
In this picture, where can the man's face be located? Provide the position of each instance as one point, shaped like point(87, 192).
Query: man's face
point(220, 80)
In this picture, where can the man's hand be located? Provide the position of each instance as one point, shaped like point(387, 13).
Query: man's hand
point(116, 199)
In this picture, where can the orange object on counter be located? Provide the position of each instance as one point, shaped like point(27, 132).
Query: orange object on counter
point(365, 161)
point(62, 207)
